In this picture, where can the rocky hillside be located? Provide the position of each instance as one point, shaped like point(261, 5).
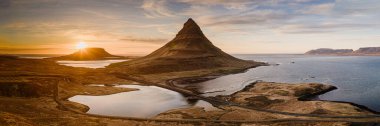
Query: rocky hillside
point(88, 54)
point(367, 51)
point(189, 50)
point(327, 51)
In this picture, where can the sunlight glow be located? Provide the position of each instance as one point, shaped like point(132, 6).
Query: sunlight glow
point(81, 45)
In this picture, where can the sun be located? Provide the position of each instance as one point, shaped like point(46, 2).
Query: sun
point(81, 45)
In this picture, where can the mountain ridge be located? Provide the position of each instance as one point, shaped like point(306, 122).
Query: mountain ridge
point(363, 51)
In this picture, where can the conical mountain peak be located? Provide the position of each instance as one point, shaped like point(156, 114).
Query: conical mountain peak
point(190, 28)
point(190, 21)
point(189, 50)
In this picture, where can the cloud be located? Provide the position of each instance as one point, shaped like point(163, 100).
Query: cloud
point(22, 49)
point(5, 3)
point(156, 8)
point(303, 1)
point(357, 7)
point(45, 28)
point(233, 4)
point(255, 17)
point(126, 22)
point(14, 50)
point(322, 28)
point(325, 8)
point(171, 8)
point(99, 14)
point(145, 40)
point(15, 25)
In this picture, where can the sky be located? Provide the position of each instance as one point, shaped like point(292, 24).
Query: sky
point(138, 27)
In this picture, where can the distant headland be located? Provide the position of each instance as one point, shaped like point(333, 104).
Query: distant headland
point(89, 54)
point(365, 51)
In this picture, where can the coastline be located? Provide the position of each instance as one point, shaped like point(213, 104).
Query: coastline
point(227, 99)
point(312, 97)
point(78, 80)
point(307, 97)
point(370, 55)
point(245, 89)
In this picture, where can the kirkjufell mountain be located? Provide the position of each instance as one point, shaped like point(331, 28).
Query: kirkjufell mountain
point(189, 50)
point(88, 54)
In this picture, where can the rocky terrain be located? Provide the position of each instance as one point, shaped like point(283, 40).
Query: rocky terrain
point(280, 99)
point(365, 51)
point(89, 54)
point(48, 109)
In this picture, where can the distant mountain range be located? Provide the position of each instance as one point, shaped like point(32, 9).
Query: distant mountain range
point(365, 51)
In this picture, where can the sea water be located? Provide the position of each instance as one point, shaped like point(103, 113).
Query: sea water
point(356, 77)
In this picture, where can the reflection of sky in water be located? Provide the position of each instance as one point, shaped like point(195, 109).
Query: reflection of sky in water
point(32, 57)
point(357, 78)
point(35, 56)
point(146, 102)
point(89, 64)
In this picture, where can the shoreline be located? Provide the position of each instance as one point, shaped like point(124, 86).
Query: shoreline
point(76, 81)
point(312, 97)
point(201, 78)
point(226, 103)
point(213, 102)
point(353, 104)
point(244, 89)
point(309, 97)
point(187, 81)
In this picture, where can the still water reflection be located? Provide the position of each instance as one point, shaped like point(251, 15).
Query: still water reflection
point(146, 102)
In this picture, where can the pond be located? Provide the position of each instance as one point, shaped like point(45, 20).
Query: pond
point(146, 102)
point(89, 64)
